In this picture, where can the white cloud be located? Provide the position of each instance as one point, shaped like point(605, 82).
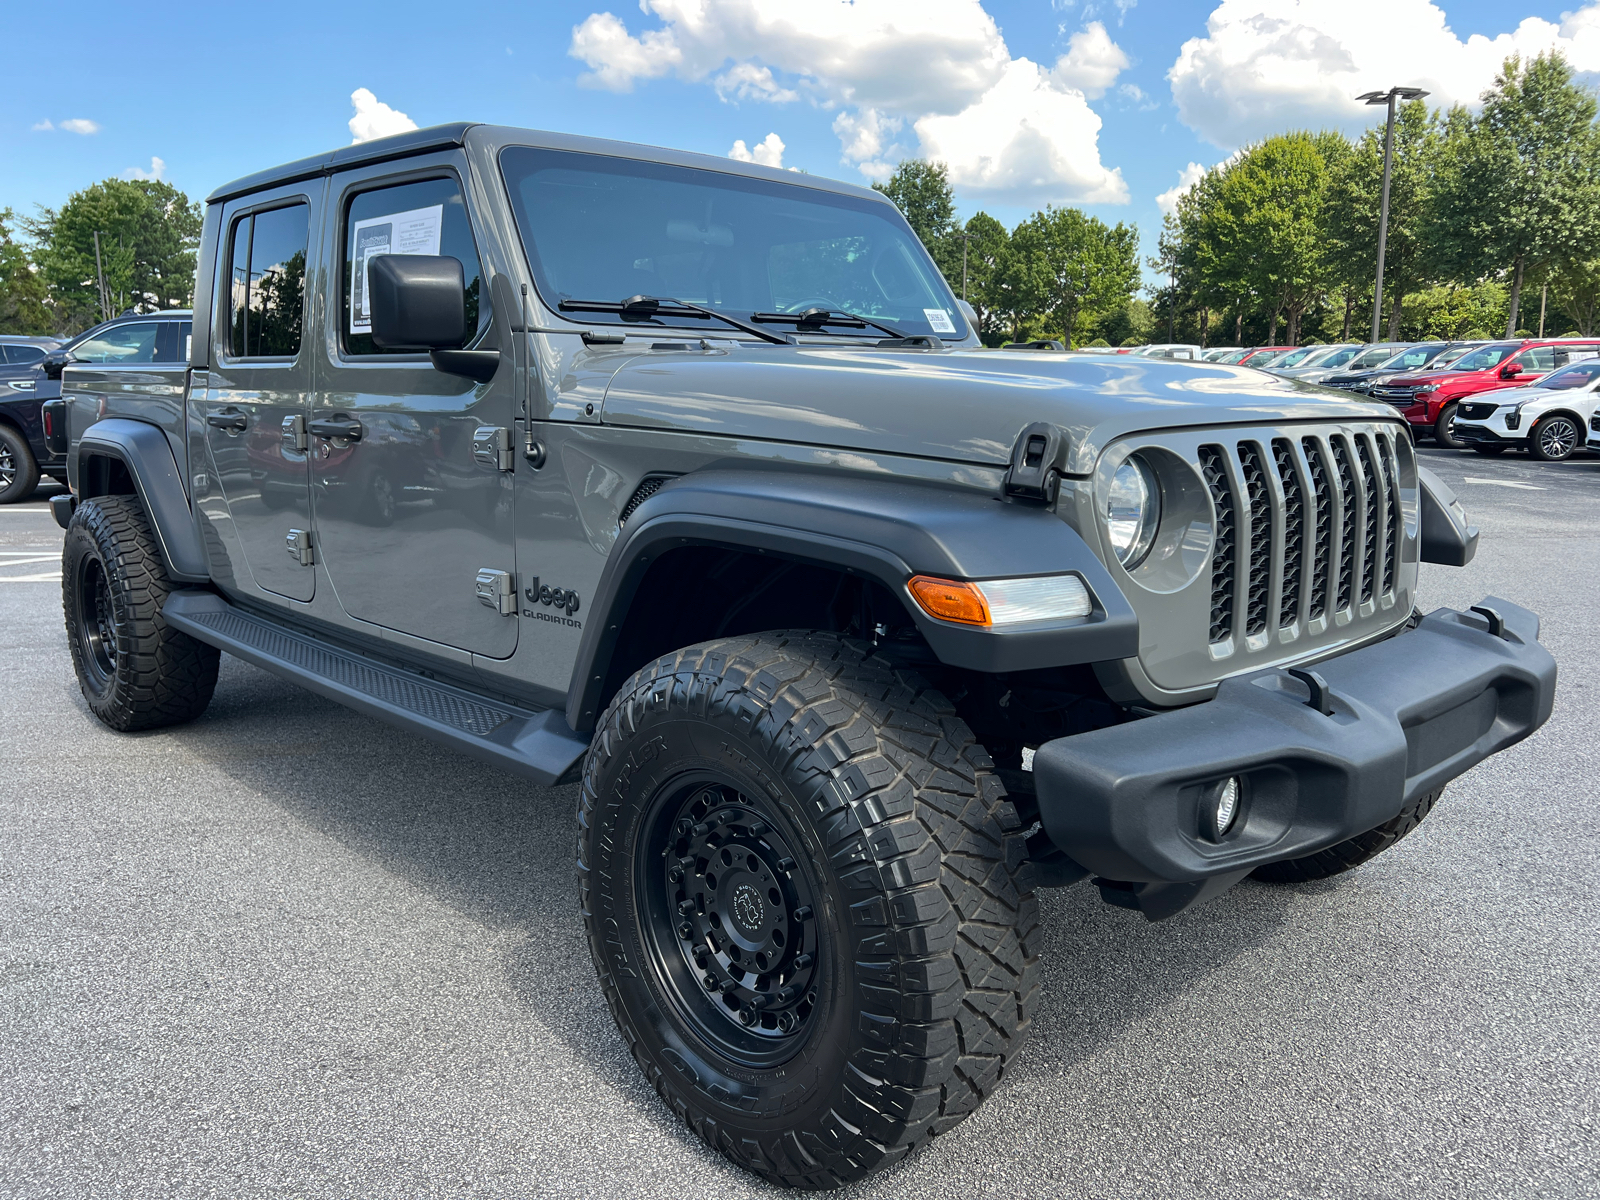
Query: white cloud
point(938, 67)
point(768, 152)
point(43, 127)
point(158, 170)
point(1167, 201)
point(1266, 65)
point(374, 118)
point(80, 125)
point(1092, 61)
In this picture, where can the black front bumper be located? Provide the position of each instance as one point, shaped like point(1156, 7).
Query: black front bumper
point(1408, 714)
point(1482, 435)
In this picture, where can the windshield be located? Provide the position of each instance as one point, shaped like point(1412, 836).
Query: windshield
point(1485, 357)
point(1411, 358)
point(1453, 353)
point(1578, 375)
point(1236, 357)
point(1372, 357)
point(1296, 358)
point(1334, 358)
point(605, 229)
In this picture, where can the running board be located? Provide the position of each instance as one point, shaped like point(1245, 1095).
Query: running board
point(537, 745)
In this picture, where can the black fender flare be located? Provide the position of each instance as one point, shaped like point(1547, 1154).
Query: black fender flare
point(886, 530)
point(143, 449)
point(1446, 538)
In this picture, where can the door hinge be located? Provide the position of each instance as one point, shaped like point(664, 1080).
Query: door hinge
point(497, 590)
point(298, 543)
point(491, 446)
point(294, 433)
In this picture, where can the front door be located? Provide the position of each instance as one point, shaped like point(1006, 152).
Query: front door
point(412, 499)
point(256, 400)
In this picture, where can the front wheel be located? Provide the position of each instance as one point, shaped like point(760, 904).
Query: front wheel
point(808, 900)
point(1444, 432)
point(19, 472)
point(1555, 438)
point(1352, 852)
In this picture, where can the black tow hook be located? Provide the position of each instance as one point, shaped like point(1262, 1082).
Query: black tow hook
point(1321, 694)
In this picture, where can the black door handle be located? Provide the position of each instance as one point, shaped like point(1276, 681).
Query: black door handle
point(229, 418)
point(339, 426)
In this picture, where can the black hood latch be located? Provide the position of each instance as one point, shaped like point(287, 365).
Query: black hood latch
point(1037, 461)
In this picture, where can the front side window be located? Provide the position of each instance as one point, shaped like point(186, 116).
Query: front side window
point(1539, 358)
point(1338, 358)
point(1410, 360)
point(425, 217)
point(608, 229)
point(1485, 357)
point(132, 343)
point(267, 283)
point(1374, 357)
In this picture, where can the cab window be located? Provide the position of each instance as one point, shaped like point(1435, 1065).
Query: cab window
point(267, 283)
point(425, 217)
point(1572, 354)
point(131, 343)
point(1538, 358)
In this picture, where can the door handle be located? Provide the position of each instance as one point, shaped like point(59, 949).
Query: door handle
point(230, 419)
point(339, 426)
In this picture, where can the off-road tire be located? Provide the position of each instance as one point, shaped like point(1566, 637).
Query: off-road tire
point(1555, 448)
point(135, 670)
point(1444, 428)
point(1343, 856)
point(930, 965)
point(19, 472)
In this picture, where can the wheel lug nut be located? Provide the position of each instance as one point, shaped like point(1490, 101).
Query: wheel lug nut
point(701, 829)
point(675, 874)
point(803, 913)
point(683, 826)
point(786, 865)
point(729, 987)
point(686, 907)
point(710, 981)
point(759, 829)
point(747, 1015)
point(801, 963)
point(786, 1021)
point(686, 931)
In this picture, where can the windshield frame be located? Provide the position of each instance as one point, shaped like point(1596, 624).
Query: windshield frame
point(510, 177)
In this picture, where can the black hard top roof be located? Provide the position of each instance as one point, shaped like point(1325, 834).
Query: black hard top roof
point(400, 145)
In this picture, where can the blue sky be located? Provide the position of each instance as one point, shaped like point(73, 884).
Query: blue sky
point(1099, 103)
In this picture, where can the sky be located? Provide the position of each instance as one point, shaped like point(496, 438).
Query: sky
point(1108, 105)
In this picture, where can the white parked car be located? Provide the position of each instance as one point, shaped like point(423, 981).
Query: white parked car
point(1549, 421)
point(1313, 362)
point(1183, 350)
point(1217, 353)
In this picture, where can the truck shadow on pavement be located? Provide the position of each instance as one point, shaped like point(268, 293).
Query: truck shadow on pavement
point(500, 851)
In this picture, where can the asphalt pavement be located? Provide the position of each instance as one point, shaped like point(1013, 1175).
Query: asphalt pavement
point(287, 951)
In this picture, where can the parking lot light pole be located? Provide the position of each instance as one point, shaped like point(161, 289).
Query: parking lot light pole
point(1389, 98)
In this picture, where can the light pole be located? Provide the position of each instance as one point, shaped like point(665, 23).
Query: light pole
point(1389, 98)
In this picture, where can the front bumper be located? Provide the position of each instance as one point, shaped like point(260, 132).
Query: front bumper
point(1408, 714)
point(1482, 435)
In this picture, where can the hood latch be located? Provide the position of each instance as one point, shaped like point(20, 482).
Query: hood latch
point(1037, 461)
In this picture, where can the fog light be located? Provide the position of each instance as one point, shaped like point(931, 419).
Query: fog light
point(1221, 809)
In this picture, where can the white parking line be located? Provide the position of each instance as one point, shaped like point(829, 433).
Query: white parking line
point(12, 561)
point(1526, 487)
point(55, 578)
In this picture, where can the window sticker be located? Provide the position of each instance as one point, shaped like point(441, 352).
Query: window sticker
point(413, 232)
point(939, 320)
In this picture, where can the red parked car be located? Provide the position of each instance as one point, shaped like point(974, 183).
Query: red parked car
point(1241, 358)
point(1430, 399)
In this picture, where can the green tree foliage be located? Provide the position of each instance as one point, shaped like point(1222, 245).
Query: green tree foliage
point(148, 234)
point(22, 291)
point(1519, 186)
point(1575, 292)
point(1452, 312)
point(921, 191)
point(1072, 268)
point(989, 282)
point(1354, 206)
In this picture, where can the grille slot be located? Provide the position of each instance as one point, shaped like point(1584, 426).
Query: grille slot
point(1347, 548)
point(1371, 504)
point(1214, 467)
point(1322, 532)
point(1391, 492)
point(1293, 532)
point(1260, 507)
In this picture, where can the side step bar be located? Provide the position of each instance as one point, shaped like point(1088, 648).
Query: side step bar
point(537, 745)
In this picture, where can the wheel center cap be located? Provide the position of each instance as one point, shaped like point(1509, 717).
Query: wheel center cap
point(747, 909)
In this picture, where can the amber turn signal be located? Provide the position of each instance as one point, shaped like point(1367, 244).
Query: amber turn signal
point(950, 600)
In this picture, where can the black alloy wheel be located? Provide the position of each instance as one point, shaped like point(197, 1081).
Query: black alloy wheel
point(96, 626)
point(19, 473)
point(730, 911)
point(1555, 438)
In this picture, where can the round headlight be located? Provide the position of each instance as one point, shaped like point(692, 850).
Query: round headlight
point(1133, 509)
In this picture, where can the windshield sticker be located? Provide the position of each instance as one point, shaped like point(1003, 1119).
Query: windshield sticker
point(413, 232)
point(939, 320)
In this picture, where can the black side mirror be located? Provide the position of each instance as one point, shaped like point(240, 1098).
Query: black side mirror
point(55, 363)
point(419, 302)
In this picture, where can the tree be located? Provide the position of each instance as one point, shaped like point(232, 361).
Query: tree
point(921, 191)
point(22, 292)
point(1519, 186)
point(1575, 290)
point(1073, 267)
point(988, 275)
point(1354, 207)
point(148, 234)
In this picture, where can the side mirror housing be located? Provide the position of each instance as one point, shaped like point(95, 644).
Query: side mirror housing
point(55, 363)
point(419, 302)
point(1510, 370)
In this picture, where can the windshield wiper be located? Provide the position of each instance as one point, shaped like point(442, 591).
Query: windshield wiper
point(661, 306)
point(813, 319)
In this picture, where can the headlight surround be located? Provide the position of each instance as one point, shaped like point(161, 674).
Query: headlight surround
point(1132, 511)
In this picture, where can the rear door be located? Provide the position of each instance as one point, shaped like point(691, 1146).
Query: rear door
point(412, 498)
point(257, 393)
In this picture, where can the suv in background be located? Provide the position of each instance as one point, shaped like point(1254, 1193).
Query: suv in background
point(1407, 359)
point(1431, 401)
point(1311, 362)
point(1548, 419)
point(25, 449)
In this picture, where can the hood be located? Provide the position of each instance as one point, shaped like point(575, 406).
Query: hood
point(964, 406)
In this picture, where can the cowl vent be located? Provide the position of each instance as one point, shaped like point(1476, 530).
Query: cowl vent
point(648, 486)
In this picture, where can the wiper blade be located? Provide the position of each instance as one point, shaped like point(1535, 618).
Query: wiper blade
point(662, 306)
point(813, 319)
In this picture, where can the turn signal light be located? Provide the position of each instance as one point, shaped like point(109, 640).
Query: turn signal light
point(950, 600)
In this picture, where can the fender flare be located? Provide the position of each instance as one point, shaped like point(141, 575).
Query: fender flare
point(1447, 538)
point(885, 530)
point(143, 449)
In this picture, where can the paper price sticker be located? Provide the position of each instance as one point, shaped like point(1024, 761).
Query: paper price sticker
point(939, 320)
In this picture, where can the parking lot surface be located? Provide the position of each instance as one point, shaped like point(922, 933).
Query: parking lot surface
point(287, 951)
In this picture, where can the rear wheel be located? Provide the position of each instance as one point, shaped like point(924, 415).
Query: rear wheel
point(1345, 855)
point(808, 900)
point(1555, 437)
point(1444, 432)
point(135, 670)
point(19, 473)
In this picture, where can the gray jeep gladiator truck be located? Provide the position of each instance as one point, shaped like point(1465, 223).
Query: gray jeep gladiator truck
point(689, 481)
